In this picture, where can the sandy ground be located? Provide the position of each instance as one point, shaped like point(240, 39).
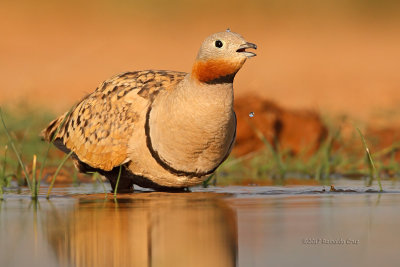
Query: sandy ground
point(52, 56)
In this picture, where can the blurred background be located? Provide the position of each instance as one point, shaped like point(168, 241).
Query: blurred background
point(322, 68)
point(336, 56)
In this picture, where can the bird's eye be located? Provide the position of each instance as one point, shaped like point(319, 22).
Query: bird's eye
point(218, 44)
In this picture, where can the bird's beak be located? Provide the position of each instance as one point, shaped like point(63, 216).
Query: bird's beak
point(243, 47)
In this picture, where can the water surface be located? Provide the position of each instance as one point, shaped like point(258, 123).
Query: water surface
point(218, 226)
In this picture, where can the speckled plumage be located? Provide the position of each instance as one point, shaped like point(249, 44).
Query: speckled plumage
point(167, 129)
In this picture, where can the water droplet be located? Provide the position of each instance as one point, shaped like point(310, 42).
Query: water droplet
point(251, 114)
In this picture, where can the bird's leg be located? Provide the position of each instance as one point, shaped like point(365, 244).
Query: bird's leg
point(125, 184)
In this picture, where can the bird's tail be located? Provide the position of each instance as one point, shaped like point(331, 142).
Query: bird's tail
point(54, 128)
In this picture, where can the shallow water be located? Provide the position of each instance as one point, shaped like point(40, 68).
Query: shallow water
point(218, 226)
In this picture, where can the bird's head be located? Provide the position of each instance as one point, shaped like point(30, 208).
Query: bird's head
point(220, 57)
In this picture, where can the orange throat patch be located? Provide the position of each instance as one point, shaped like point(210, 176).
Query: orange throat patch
point(211, 70)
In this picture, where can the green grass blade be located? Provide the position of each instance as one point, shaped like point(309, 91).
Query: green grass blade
point(34, 183)
point(98, 177)
point(116, 186)
point(56, 173)
point(16, 151)
point(3, 178)
point(372, 168)
point(275, 153)
point(3, 172)
point(75, 180)
point(1, 190)
point(206, 182)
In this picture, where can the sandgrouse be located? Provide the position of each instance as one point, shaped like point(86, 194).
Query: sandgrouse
point(162, 129)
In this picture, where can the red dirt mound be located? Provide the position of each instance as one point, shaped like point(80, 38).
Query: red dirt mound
point(384, 140)
point(296, 131)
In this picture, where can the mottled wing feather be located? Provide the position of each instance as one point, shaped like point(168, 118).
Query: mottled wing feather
point(99, 127)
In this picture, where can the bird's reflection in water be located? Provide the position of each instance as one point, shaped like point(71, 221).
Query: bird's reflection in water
point(149, 229)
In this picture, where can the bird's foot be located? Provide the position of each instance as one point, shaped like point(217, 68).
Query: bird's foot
point(124, 190)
